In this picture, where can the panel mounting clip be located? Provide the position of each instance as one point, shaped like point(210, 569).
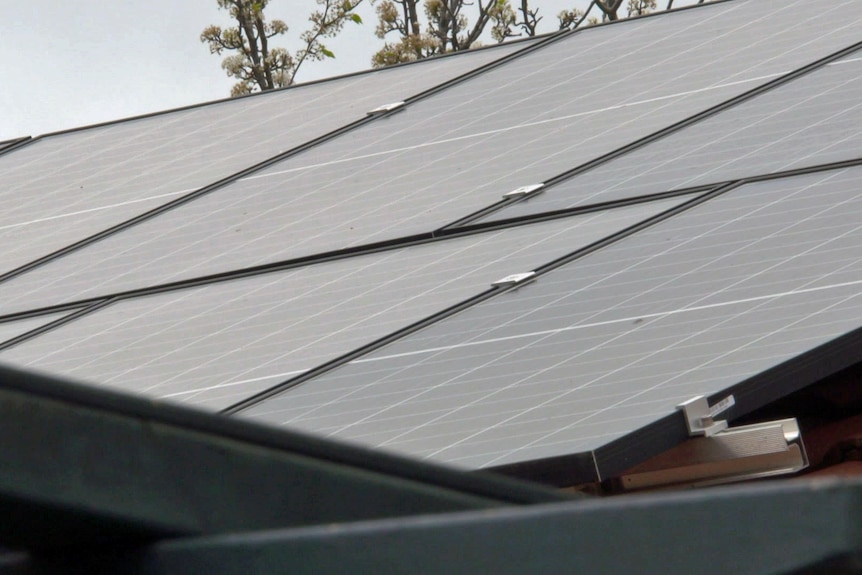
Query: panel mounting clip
point(513, 279)
point(530, 190)
point(700, 417)
point(385, 108)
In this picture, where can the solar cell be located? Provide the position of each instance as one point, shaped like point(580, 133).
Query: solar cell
point(217, 344)
point(65, 187)
point(445, 156)
point(596, 349)
point(810, 121)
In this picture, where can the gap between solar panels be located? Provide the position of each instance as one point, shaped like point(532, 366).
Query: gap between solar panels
point(514, 197)
point(374, 115)
point(77, 311)
point(507, 284)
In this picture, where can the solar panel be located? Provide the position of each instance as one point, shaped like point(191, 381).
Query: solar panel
point(218, 344)
point(445, 156)
point(598, 348)
point(810, 121)
point(65, 187)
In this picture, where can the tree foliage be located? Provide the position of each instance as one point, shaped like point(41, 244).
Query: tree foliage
point(251, 59)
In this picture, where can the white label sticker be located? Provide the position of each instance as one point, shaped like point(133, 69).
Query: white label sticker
point(722, 405)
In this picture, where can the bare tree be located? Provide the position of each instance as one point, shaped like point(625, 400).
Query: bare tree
point(529, 18)
point(417, 29)
point(640, 7)
point(411, 29)
point(447, 26)
point(257, 65)
point(571, 19)
point(609, 10)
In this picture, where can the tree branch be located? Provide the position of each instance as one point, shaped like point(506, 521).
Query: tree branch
point(530, 18)
point(481, 22)
point(609, 8)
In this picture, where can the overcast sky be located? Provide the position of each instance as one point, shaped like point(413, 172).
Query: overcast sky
point(69, 63)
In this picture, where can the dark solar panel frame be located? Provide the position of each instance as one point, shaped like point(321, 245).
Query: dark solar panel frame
point(673, 128)
point(9, 145)
point(11, 329)
point(76, 311)
point(334, 255)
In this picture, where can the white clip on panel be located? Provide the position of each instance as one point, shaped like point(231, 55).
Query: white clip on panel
point(513, 279)
point(385, 108)
point(524, 190)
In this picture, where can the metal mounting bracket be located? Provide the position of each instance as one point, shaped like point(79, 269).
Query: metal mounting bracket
point(700, 417)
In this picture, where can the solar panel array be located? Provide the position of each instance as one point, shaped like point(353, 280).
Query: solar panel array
point(688, 307)
point(65, 187)
point(218, 343)
point(286, 258)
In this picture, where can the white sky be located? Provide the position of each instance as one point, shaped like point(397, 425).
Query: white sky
point(65, 64)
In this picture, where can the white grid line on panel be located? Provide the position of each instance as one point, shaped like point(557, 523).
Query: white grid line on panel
point(498, 131)
point(91, 210)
